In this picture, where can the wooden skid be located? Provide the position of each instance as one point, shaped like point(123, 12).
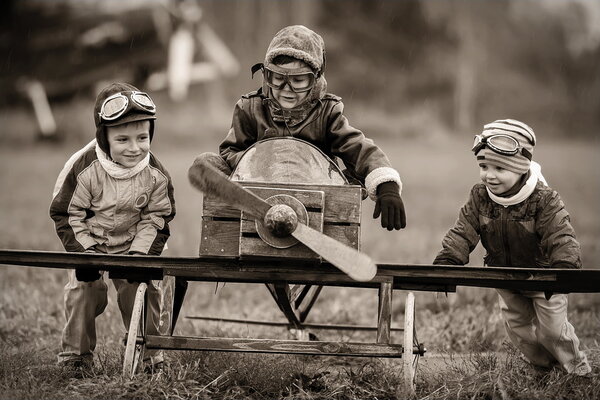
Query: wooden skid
point(275, 346)
point(295, 272)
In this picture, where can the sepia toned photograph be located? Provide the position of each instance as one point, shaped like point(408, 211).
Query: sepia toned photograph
point(300, 199)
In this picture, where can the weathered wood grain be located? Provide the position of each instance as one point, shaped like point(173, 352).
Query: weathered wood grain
point(281, 293)
point(220, 238)
point(307, 299)
point(298, 272)
point(208, 179)
point(384, 313)
point(342, 203)
point(409, 369)
point(274, 346)
point(310, 198)
point(298, 292)
point(335, 327)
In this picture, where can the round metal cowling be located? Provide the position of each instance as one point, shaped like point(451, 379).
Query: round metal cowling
point(288, 241)
point(281, 220)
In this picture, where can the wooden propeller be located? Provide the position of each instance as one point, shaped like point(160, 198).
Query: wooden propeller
point(209, 180)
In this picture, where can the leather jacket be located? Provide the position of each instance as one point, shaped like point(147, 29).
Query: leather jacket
point(323, 124)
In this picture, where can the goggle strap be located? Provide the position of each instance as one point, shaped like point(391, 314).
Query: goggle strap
point(526, 153)
point(255, 68)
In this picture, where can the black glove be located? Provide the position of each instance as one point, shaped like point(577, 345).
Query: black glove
point(389, 204)
point(130, 280)
point(87, 274)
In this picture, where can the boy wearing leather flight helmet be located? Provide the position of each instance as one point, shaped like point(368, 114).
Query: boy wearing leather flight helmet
point(112, 197)
point(521, 222)
point(293, 101)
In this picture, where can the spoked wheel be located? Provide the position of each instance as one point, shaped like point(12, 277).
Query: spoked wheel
point(135, 347)
point(409, 359)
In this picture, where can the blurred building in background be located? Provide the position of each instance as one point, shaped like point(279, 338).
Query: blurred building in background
point(465, 62)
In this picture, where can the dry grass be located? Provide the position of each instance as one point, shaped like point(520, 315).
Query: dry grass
point(483, 375)
point(437, 171)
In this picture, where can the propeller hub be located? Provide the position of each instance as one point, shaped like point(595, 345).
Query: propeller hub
point(281, 220)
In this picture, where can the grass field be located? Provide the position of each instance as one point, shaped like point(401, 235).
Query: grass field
point(462, 331)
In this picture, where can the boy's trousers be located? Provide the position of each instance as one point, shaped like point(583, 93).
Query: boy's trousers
point(84, 301)
point(540, 329)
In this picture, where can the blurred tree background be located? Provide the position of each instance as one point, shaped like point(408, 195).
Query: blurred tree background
point(443, 66)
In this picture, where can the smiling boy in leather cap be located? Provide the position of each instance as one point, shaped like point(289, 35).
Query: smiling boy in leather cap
point(112, 197)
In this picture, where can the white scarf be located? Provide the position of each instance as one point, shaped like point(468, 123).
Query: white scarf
point(526, 190)
point(118, 171)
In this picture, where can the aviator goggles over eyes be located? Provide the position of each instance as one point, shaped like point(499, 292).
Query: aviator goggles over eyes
point(121, 103)
point(298, 80)
point(501, 144)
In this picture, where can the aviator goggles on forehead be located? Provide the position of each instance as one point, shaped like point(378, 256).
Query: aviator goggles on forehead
point(121, 103)
point(501, 144)
point(298, 80)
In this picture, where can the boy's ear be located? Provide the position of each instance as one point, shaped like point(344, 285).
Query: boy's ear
point(255, 68)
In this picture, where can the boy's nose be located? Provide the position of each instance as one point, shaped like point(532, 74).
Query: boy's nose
point(287, 87)
point(133, 146)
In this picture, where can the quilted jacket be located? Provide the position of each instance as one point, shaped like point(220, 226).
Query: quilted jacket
point(535, 233)
point(325, 126)
point(91, 208)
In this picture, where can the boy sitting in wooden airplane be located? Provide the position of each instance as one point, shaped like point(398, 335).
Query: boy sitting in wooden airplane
point(293, 101)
